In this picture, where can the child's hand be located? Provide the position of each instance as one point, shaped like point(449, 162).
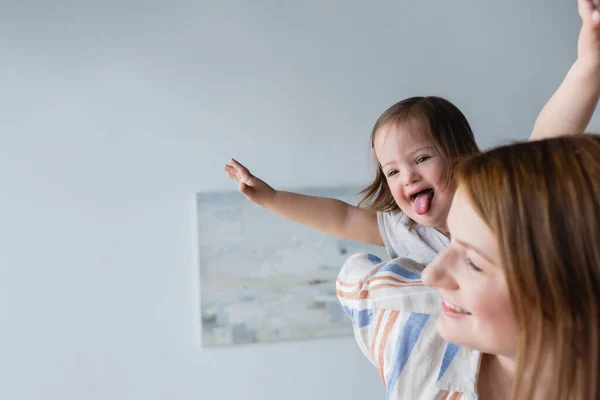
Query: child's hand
point(589, 38)
point(250, 186)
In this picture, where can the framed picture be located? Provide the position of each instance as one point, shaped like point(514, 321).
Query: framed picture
point(263, 278)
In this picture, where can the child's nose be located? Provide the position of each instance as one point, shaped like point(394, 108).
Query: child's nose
point(409, 177)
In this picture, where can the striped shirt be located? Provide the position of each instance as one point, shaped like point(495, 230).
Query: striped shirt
point(394, 316)
point(405, 238)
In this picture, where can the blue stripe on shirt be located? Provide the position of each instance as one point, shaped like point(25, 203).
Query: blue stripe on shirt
point(449, 354)
point(398, 270)
point(373, 258)
point(406, 342)
point(359, 318)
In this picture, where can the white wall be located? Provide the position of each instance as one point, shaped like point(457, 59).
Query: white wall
point(113, 114)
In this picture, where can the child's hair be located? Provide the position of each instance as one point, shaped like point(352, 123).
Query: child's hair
point(442, 123)
point(542, 202)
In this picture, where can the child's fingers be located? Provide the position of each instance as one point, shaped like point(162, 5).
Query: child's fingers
point(242, 171)
point(586, 7)
point(230, 171)
point(237, 165)
point(590, 10)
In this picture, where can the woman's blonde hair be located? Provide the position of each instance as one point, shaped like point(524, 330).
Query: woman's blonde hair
point(436, 118)
point(542, 201)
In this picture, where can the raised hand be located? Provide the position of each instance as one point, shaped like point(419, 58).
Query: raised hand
point(589, 38)
point(250, 186)
point(587, 9)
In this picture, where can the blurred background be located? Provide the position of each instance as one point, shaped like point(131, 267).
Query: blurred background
point(114, 114)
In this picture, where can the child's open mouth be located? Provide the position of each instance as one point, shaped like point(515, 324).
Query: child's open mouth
point(421, 201)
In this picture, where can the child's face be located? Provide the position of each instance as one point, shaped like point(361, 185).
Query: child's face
point(415, 174)
point(476, 306)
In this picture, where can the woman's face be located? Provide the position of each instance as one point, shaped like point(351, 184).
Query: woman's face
point(476, 307)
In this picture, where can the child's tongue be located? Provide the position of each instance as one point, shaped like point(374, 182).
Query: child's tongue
point(422, 202)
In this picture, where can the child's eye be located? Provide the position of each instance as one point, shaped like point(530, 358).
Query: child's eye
point(470, 264)
point(420, 159)
point(392, 173)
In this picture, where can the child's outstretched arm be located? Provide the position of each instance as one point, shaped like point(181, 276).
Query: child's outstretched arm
point(570, 109)
point(330, 216)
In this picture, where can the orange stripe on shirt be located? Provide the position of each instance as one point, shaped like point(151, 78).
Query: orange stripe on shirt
point(365, 294)
point(448, 395)
point(377, 327)
point(353, 295)
point(383, 342)
point(344, 284)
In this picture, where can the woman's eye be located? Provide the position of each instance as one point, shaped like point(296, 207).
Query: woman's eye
point(392, 173)
point(470, 264)
point(421, 159)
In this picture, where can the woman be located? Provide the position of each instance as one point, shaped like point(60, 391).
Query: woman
point(512, 307)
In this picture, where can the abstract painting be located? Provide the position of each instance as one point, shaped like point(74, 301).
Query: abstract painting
point(263, 278)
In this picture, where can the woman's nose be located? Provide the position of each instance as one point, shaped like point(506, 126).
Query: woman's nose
point(439, 273)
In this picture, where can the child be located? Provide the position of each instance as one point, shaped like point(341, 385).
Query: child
point(415, 143)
